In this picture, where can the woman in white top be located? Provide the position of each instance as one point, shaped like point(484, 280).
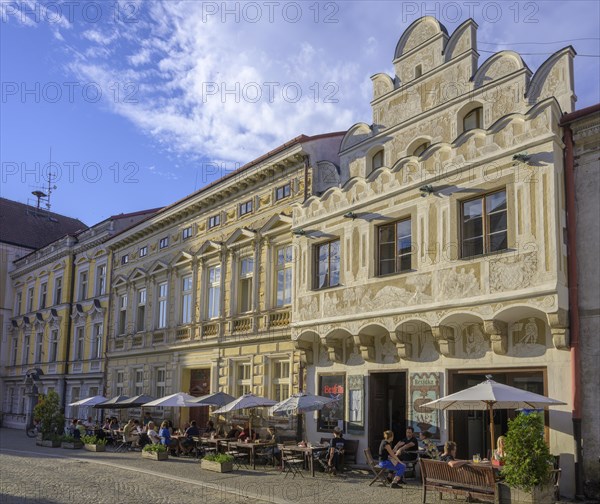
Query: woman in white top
point(152, 434)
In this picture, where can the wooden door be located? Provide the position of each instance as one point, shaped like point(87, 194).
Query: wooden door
point(199, 386)
point(378, 409)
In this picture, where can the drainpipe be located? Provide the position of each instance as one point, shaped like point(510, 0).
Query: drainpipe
point(69, 329)
point(569, 165)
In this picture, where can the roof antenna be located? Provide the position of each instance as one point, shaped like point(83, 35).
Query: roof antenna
point(42, 195)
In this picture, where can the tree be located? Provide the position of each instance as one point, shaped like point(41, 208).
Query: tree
point(48, 413)
point(528, 462)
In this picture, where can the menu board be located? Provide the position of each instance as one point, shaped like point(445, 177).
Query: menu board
point(333, 414)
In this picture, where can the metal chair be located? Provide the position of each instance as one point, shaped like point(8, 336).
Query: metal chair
point(379, 472)
point(290, 462)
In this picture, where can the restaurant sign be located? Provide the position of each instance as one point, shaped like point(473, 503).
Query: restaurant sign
point(424, 387)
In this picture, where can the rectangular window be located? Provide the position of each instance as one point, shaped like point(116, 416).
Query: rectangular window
point(162, 305)
point(138, 386)
point(39, 347)
point(25, 355)
point(484, 224)
point(83, 284)
point(245, 284)
point(243, 378)
point(75, 394)
point(93, 392)
point(186, 233)
point(53, 346)
point(160, 382)
point(13, 352)
point(141, 309)
point(97, 341)
point(119, 379)
point(327, 264)
point(284, 276)
point(186, 299)
point(214, 292)
point(395, 247)
point(122, 314)
point(164, 242)
point(43, 295)
point(143, 251)
point(282, 192)
point(101, 280)
point(214, 221)
point(79, 342)
point(245, 208)
point(18, 301)
point(29, 300)
point(280, 378)
point(58, 290)
point(124, 258)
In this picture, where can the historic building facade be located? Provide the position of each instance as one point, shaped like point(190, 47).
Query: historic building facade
point(441, 258)
point(202, 291)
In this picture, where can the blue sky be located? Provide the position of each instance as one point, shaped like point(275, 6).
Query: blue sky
point(142, 102)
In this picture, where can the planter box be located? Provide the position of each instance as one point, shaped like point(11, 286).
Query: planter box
point(95, 447)
point(51, 444)
point(221, 467)
point(539, 495)
point(77, 445)
point(155, 455)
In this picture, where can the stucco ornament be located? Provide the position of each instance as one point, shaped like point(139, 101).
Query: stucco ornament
point(508, 273)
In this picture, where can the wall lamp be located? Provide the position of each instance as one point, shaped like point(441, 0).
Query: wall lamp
point(298, 232)
point(426, 190)
point(522, 157)
point(350, 215)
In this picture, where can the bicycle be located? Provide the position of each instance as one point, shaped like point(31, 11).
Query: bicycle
point(32, 430)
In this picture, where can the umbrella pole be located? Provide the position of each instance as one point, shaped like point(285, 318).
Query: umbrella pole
point(492, 435)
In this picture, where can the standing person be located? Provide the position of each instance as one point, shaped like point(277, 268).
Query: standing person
point(449, 455)
point(389, 460)
point(336, 450)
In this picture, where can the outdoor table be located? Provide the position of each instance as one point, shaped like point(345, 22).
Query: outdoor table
point(308, 452)
point(251, 447)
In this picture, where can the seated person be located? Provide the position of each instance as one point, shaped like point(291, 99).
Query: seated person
point(188, 443)
point(247, 433)
point(81, 428)
point(234, 432)
point(449, 455)
point(406, 445)
point(499, 452)
point(431, 451)
point(89, 423)
point(209, 429)
point(75, 432)
point(336, 450)
point(389, 460)
point(272, 438)
point(165, 438)
point(152, 434)
point(128, 431)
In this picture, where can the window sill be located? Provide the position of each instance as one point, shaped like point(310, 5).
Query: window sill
point(387, 275)
point(330, 287)
point(488, 254)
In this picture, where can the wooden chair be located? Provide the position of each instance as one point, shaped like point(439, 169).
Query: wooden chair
point(379, 472)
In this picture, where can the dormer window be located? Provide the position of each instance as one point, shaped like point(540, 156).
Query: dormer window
point(421, 148)
point(377, 160)
point(473, 119)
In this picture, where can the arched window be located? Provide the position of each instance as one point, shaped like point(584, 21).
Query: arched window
point(421, 148)
point(473, 119)
point(418, 71)
point(377, 160)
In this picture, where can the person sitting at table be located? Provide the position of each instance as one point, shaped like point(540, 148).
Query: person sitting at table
point(81, 428)
point(152, 434)
point(147, 418)
point(449, 455)
point(128, 431)
point(209, 429)
point(272, 438)
point(431, 450)
point(499, 452)
point(234, 432)
point(406, 445)
point(114, 424)
point(187, 443)
point(389, 460)
point(246, 433)
point(89, 423)
point(165, 438)
point(106, 425)
point(336, 450)
point(75, 432)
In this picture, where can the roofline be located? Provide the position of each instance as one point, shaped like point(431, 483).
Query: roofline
point(578, 114)
point(294, 141)
point(134, 214)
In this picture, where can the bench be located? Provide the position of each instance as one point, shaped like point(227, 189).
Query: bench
point(350, 449)
point(471, 480)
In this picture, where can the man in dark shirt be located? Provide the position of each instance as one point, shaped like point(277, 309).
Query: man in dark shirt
point(409, 444)
point(336, 450)
point(187, 443)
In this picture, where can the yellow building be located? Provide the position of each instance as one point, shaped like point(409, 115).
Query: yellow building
point(441, 258)
point(201, 292)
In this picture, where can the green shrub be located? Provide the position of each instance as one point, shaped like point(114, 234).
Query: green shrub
point(93, 440)
point(219, 457)
point(48, 412)
point(159, 448)
point(528, 462)
point(68, 439)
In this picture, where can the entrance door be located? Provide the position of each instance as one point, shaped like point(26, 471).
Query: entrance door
point(387, 406)
point(199, 386)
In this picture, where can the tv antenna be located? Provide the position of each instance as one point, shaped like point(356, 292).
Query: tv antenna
point(43, 194)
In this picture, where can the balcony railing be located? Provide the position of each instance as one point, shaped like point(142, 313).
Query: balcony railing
point(245, 324)
point(279, 318)
point(182, 334)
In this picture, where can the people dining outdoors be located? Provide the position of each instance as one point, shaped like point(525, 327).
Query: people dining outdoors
point(234, 432)
point(147, 418)
point(449, 455)
point(389, 460)
point(336, 450)
point(187, 443)
point(208, 429)
point(152, 434)
point(272, 438)
point(409, 444)
point(499, 452)
point(246, 434)
point(165, 438)
point(128, 432)
point(430, 448)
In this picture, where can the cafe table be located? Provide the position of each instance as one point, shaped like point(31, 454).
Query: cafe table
point(308, 452)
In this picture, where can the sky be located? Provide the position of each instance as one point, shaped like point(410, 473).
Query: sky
point(134, 104)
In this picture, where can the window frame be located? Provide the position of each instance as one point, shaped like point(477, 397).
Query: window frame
point(162, 306)
point(29, 305)
point(141, 300)
point(245, 208)
point(138, 386)
point(58, 290)
point(26, 349)
point(163, 242)
point(186, 233)
point(277, 380)
point(478, 111)
point(101, 271)
point(316, 263)
point(18, 302)
point(283, 188)
point(211, 288)
point(245, 278)
point(39, 347)
point(122, 315)
point(97, 340)
point(79, 343)
point(124, 258)
point(53, 345)
point(484, 217)
point(283, 268)
point(378, 152)
point(143, 251)
point(186, 300)
point(242, 383)
point(83, 280)
point(214, 221)
point(43, 297)
point(160, 386)
point(397, 256)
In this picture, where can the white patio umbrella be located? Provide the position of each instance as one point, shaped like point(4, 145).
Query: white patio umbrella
point(89, 401)
point(215, 399)
point(490, 395)
point(110, 403)
point(300, 403)
point(179, 399)
point(247, 401)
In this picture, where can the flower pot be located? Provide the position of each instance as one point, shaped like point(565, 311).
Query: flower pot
point(221, 467)
point(94, 447)
point(50, 444)
point(155, 455)
point(539, 495)
point(76, 445)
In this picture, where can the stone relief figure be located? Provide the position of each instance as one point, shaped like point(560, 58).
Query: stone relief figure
point(426, 347)
point(528, 337)
point(512, 272)
point(389, 353)
point(475, 342)
point(420, 283)
point(531, 333)
point(455, 284)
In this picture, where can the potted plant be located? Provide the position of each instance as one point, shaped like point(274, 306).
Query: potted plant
point(93, 443)
point(70, 443)
point(218, 462)
point(48, 414)
point(527, 462)
point(155, 452)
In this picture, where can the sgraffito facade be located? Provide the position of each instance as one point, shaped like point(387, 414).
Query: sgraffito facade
point(441, 258)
